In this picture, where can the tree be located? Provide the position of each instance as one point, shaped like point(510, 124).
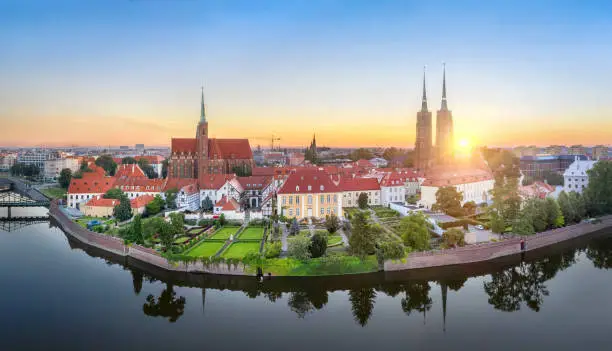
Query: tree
point(523, 225)
point(318, 245)
point(362, 201)
point(534, 213)
point(128, 160)
point(417, 297)
point(414, 231)
point(498, 225)
point(567, 208)
point(143, 163)
point(599, 190)
point(113, 193)
point(166, 235)
point(391, 250)
point(453, 237)
point(25, 170)
point(390, 153)
point(553, 178)
point(469, 208)
point(448, 200)
point(64, 178)
point(332, 223)
point(554, 216)
point(178, 223)
point(155, 206)
point(123, 211)
point(243, 170)
point(361, 153)
point(171, 198)
point(295, 227)
point(579, 206)
point(299, 247)
point(166, 305)
point(137, 228)
point(412, 199)
point(207, 204)
point(222, 219)
point(527, 180)
point(107, 163)
point(165, 168)
point(364, 235)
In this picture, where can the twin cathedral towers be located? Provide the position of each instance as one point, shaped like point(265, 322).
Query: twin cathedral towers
point(425, 154)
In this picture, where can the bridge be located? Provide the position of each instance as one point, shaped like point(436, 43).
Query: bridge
point(14, 193)
point(14, 224)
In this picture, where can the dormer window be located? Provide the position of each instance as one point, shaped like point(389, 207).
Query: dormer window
point(309, 188)
point(322, 187)
point(297, 188)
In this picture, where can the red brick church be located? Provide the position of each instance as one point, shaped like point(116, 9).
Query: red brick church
point(200, 156)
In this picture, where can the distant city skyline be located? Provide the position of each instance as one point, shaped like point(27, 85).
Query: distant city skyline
point(99, 73)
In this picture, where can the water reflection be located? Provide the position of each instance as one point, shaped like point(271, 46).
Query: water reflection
point(167, 305)
point(600, 253)
point(362, 304)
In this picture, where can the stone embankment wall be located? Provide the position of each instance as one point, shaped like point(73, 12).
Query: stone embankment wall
point(464, 255)
point(150, 256)
point(490, 251)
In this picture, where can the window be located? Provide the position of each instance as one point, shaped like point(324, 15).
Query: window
point(328, 210)
point(297, 199)
point(309, 188)
point(322, 199)
point(322, 188)
point(310, 199)
point(290, 212)
point(322, 211)
point(335, 198)
point(297, 212)
point(284, 200)
point(290, 200)
point(328, 198)
point(297, 188)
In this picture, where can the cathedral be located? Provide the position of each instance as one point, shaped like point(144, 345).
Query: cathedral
point(425, 155)
point(195, 158)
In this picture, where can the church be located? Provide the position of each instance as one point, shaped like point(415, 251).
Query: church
point(196, 158)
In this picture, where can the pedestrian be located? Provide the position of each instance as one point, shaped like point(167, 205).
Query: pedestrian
point(522, 244)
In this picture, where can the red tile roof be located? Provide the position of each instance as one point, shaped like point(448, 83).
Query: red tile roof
point(214, 181)
point(449, 175)
point(140, 184)
point(178, 183)
point(254, 182)
point(129, 170)
point(227, 205)
point(102, 202)
point(359, 184)
point(364, 163)
point(153, 159)
point(298, 183)
point(184, 145)
point(229, 149)
point(141, 201)
point(90, 184)
point(537, 189)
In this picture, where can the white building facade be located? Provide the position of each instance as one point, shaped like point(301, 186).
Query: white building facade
point(575, 177)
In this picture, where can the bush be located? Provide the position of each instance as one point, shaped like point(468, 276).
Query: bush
point(273, 249)
point(453, 237)
point(299, 247)
point(391, 250)
point(318, 245)
point(332, 223)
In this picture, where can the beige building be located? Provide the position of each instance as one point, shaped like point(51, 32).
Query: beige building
point(309, 193)
point(53, 167)
point(554, 150)
point(353, 187)
point(577, 150)
point(599, 151)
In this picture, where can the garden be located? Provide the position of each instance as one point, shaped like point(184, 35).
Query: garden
point(252, 233)
point(240, 249)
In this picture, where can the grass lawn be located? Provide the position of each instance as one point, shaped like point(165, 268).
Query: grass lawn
point(54, 193)
point(181, 239)
point(206, 249)
point(252, 233)
point(383, 212)
point(85, 219)
point(337, 265)
point(239, 250)
point(334, 240)
point(224, 233)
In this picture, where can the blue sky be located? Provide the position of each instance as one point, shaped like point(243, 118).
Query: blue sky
point(122, 72)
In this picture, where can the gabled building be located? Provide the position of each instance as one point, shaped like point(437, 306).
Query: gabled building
point(353, 187)
point(89, 186)
point(309, 193)
point(575, 177)
point(474, 183)
point(253, 187)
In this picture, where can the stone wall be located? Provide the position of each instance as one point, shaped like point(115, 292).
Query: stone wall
point(490, 251)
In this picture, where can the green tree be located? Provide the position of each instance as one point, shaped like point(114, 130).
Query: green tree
point(318, 245)
point(64, 178)
point(390, 153)
point(469, 208)
point(362, 304)
point(523, 225)
point(295, 227)
point(178, 223)
point(128, 160)
point(553, 178)
point(243, 170)
point(155, 206)
point(222, 219)
point(414, 231)
point(579, 206)
point(107, 163)
point(165, 168)
point(299, 247)
point(498, 225)
point(171, 198)
point(527, 180)
point(332, 223)
point(364, 235)
point(448, 200)
point(114, 193)
point(361, 153)
point(599, 190)
point(567, 208)
point(362, 201)
point(123, 211)
point(391, 250)
point(535, 212)
point(453, 237)
point(207, 204)
point(554, 216)
point(166, 235)
point(137, 228)
point(143, 163)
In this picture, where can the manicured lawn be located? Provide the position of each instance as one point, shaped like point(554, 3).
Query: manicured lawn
point(252, 233)
point(320, 266)
point(225, 232)
point(85, 219)
point(206, 249)
point(54, 193)
point(239, 250)
point(334, 240)
point(181, 239)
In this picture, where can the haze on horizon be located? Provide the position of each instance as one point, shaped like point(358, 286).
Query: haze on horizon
point(120, 73)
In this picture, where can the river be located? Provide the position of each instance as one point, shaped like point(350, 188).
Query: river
point(59, 295)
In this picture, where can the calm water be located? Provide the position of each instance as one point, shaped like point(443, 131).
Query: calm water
point(57, 296)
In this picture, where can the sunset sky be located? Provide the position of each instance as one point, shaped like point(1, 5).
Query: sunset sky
point(126, 72)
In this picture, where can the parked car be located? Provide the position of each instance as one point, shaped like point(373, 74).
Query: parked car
point(479, 227)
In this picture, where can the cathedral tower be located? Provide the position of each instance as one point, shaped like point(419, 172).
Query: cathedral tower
point(202, 141)
point(444, 129)
point(422, 145)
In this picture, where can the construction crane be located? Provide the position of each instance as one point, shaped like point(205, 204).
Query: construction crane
point(272, 140)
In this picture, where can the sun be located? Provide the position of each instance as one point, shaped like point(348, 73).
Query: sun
point(464, 146)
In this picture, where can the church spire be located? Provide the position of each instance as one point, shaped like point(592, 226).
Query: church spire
point(424, 101)
point(444, 106)
point(202, 109)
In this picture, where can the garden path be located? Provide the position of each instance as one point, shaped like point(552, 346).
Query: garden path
point(284, 236)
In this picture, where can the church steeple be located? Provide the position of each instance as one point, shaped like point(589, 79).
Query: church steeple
point(444, 106)
point(424, 101)
point(202, 109)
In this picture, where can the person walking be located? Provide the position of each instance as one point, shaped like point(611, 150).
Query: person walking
point(522, 244)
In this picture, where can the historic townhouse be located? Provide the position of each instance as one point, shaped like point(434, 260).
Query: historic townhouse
point(309, 193)
point(353, 187)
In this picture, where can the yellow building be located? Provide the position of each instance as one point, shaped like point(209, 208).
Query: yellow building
point(309, 193)
point(599, 151)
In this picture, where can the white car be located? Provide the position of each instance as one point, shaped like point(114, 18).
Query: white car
point(479, 227)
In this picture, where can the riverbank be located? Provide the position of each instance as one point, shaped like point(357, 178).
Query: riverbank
point(419, 260)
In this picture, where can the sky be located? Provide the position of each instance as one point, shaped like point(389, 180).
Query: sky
point(125, 72)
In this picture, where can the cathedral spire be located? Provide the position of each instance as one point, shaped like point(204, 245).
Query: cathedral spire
point(202, 109)
point(424, 101)
point(444, 106)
